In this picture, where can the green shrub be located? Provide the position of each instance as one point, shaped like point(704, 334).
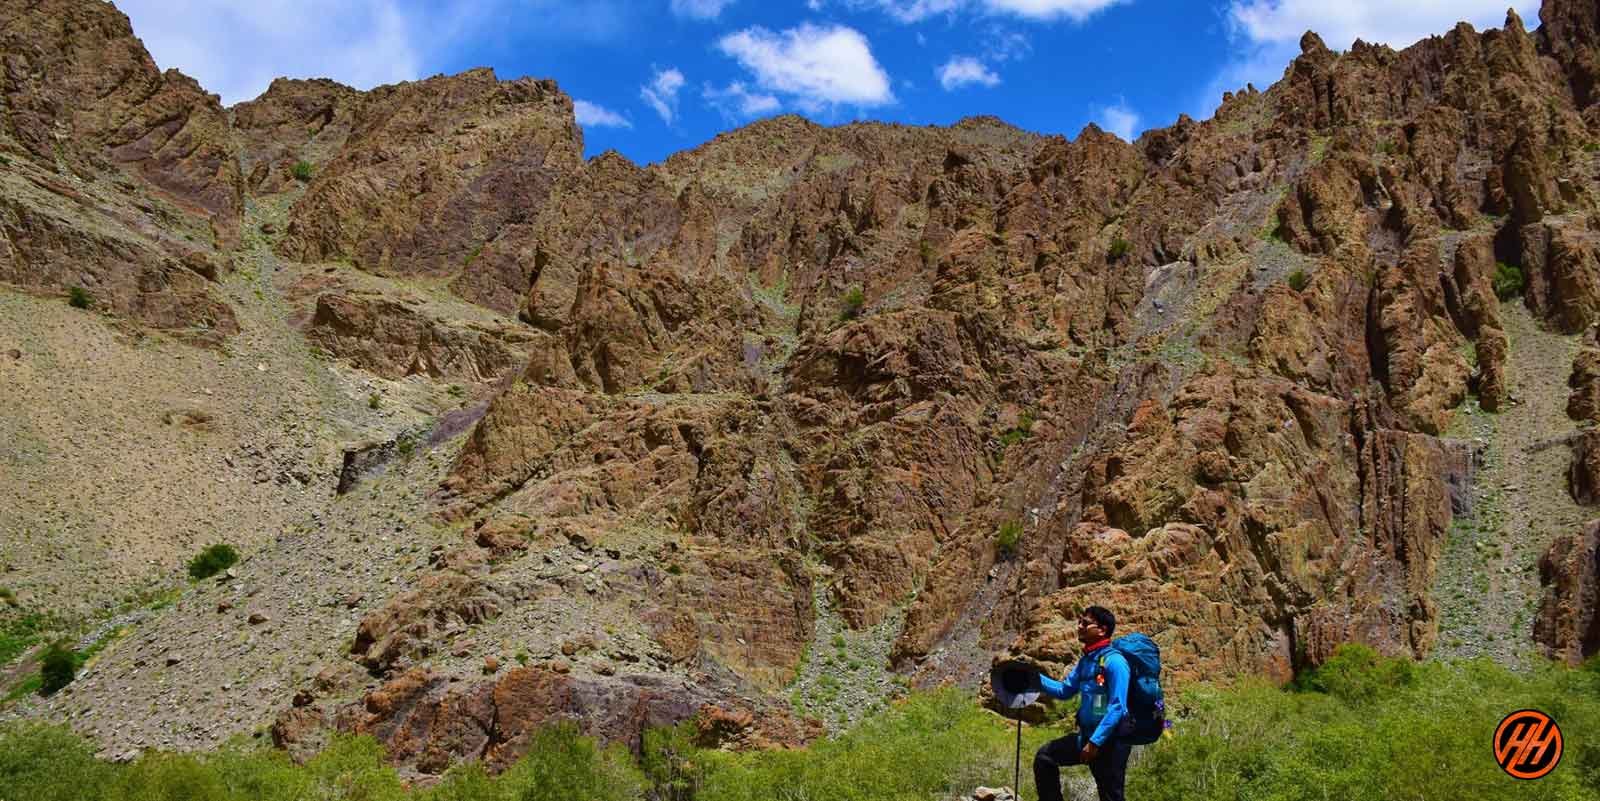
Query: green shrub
point(1012, 436)
point(1380, 731)
point(405, 445)
point(78, 298)
point(1298, 280)
point(213, 560)
point(57, 668)
point(1508, 280)
point(852, 302)
point(302, 171)
point(926, 251)
point(374, 400)
point(8, 597)
point(1119, 248)
point(668, 759)
point(1357, 674)
point(42, 762)
point(933, 745)
point(1006, 539)
point(561, 764)
point(5, 162)
point(455, 390)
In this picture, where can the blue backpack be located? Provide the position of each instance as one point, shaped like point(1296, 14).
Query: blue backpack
point(1146, 705)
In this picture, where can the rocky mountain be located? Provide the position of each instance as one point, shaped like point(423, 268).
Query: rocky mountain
point(508, 436)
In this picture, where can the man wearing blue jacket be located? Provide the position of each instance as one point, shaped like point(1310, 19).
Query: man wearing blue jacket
point(1100, 680)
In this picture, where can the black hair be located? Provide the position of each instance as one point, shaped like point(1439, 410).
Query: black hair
point(1103, 616)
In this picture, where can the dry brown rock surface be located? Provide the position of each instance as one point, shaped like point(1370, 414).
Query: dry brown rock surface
point(673, 442)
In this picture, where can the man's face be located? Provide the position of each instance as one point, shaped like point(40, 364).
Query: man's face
point(1089, 630)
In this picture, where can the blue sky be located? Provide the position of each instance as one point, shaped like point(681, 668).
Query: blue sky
point(652, 77)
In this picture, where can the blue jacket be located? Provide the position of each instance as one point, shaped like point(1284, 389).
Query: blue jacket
point(1100, 706)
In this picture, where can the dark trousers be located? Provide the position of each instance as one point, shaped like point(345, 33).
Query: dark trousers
point(1110, 767)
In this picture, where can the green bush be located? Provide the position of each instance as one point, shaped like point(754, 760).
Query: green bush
point(78, 298)
point(933, 745)
point(1006, 539)
point(1298, 280)
point(213, 560)
point(8, 597)
point(302, 171)
point(42, 762)
point(374, 400)
point(1508, 280)
point(1119, 248)
point(1357, 674)
point(852, 302)
point(670, 764)
point(57, 668)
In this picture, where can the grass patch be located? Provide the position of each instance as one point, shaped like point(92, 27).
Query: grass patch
point(78, 298)
point(19, 633)
point(1508, 280)
point(301, 171)
point(1119, 248)
point(213, 560)
point(1007, 537)
point(1011, 436)
point(851, 304)
point(1298, 280)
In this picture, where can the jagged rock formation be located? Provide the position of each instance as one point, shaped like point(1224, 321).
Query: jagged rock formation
point(134, 197)
point(971, 376)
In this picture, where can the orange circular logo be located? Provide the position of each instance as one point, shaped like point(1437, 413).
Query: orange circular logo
point(1527, 744)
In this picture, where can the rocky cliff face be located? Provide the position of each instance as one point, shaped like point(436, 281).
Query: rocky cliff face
point(947, 384)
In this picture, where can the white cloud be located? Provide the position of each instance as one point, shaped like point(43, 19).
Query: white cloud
point(662, 93)
point(700, 9)
point(235, 49)
point(916, 10)
point(962, 71)
point(1001, 44)
point(737, 101)
point(818, 66)
point(1120, 120)
point(1075, 10)
point(598, 116)
point(1266, 33)
point(909, 11)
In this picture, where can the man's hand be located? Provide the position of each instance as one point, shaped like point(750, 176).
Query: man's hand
point(1089, 752)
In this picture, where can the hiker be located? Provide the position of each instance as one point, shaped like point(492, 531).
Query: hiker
point(1101, 679)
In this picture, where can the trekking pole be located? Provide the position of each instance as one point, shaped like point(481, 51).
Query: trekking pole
point(1016, 770)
